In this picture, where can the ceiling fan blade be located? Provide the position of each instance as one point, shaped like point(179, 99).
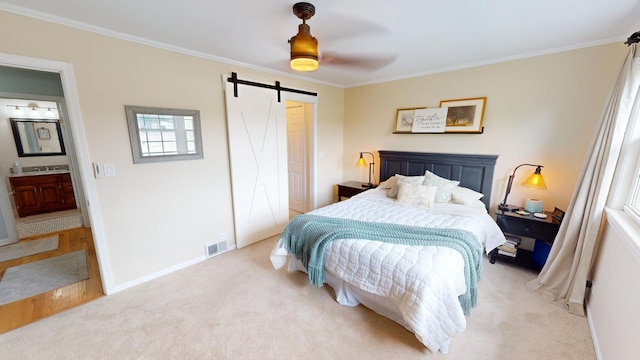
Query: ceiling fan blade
point(332, 27)
point(365, 62)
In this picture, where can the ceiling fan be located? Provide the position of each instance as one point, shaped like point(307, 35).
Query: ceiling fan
point(304, 48)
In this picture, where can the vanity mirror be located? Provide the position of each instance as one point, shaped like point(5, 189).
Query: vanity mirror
point(37, 137)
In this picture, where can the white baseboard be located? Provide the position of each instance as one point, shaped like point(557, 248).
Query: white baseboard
point(160, 273)
point(594, 335)
point(7, 242)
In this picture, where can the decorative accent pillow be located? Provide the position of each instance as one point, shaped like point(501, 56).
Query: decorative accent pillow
point(416, 194)
point(445, 186)
point(465, 196)
point(388, 184)
point(415, 180)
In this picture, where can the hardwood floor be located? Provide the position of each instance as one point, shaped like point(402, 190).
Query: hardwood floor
point(36, 307)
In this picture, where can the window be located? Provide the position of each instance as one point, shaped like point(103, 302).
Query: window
point(628, 169)
point(158, 134)
point(633, 206)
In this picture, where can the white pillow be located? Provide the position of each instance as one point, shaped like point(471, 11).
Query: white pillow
point(465, 196)
point(415, 180)
point(416, 194)
point(388, 184)
point(445, 186)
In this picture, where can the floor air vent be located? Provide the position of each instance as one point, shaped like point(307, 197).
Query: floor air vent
point(217, 248)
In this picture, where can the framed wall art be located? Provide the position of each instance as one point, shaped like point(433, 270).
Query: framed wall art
point(557, 214)
point(464, 115)
point(44, 133)
point(432, 120)
point(404, 120)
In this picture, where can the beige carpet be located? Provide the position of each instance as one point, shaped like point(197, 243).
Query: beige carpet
point(236, 306)
point(22, 281)
point(28, 248)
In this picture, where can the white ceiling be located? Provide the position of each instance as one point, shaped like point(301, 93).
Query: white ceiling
point(412, 37)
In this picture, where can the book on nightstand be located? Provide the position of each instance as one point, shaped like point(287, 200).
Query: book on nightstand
point(510, 247)
point(506, 253)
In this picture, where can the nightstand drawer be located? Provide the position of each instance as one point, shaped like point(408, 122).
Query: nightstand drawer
point(349, 192)
point(350, 188)
point(541, 230)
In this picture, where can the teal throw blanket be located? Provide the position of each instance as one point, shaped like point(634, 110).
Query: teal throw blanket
point(307, 236)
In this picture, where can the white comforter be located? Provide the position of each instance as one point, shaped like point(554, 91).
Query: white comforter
point(423, 282)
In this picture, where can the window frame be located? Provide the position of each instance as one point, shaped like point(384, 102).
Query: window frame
point(625, 189)
point(139, 156)
point(632, 205)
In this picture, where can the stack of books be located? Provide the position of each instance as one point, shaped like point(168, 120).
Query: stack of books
point(509, 248)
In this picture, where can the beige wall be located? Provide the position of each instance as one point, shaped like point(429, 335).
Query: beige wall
point(158, 216)
point(539, 110)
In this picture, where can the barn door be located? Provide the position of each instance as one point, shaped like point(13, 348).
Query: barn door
point(256, 125)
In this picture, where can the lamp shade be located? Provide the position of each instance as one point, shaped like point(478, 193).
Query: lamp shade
point(304, 50)
point(535, 180)
point(362, 161)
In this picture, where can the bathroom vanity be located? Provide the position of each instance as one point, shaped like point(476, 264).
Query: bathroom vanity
point(41, 192)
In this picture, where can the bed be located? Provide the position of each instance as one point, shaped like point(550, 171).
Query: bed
point(410, 249)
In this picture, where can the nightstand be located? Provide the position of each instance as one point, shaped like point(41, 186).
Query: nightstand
point(350, 188)
point(543, 230)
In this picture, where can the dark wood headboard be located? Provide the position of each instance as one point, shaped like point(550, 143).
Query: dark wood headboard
point(473, 171)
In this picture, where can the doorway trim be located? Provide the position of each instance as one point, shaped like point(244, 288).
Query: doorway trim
point(7, 215)
point(84, 168)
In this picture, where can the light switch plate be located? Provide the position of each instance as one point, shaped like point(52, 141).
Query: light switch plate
point(97, 170)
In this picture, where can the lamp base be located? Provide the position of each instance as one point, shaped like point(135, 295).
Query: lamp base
point(368, 186)
point(508, 208)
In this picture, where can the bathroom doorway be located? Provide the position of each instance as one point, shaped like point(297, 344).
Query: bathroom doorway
point(21, 86)
point(34, 147)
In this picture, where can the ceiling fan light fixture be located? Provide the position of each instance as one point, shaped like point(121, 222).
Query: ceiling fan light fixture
point(304, 47)
point(304, 64)
point(304, 50)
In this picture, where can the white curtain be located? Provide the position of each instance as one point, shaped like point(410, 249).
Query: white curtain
point(563, 279)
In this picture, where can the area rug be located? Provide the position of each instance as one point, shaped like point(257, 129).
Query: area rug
point(28, 248)
point(34, 278)
point(45, 225)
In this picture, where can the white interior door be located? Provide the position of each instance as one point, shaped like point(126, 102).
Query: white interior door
point(297, 156)
point(256, 125)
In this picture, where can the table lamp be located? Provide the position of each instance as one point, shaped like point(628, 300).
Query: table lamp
point(535, 180)
point(363, 162)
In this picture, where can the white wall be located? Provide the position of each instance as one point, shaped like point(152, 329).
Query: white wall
point(540, 110)
point(159, 216)
point(612, 305)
